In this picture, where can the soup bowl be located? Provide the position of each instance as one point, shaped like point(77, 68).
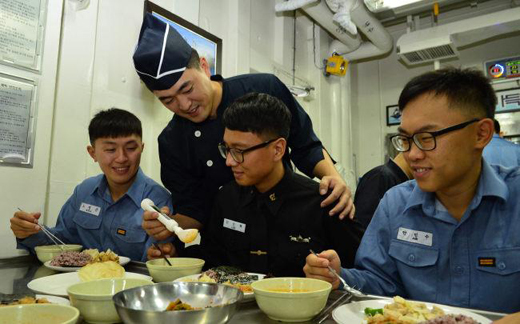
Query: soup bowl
point(291, 299)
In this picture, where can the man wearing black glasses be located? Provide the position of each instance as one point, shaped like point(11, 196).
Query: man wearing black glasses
point(450, 236)
point(269, 217)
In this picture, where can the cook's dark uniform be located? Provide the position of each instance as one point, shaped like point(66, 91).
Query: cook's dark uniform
point(272, 232)
point(191, 166)
point(373, 186)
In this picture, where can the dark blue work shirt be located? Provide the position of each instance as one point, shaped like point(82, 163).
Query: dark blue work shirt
point(191, 165)
point(91, 218)
point(414, 248)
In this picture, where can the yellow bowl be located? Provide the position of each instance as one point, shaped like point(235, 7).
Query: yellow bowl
point(47, 252)
point(94, 298)
point(181, 267)
point(39, 313)
point(291, 299)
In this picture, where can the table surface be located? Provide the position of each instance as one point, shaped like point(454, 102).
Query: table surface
point(17, 272)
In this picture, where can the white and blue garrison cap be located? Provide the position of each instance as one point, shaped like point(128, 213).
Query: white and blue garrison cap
point(161, 54)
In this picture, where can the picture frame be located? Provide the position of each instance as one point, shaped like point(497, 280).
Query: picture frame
point(508, 100)
point(207, 45)
point(393, 115)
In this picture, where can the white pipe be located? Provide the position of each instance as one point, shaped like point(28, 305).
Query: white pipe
point(381, 41)
point(292, 5)
point(321, 13)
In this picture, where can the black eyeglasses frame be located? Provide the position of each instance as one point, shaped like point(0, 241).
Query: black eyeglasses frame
point(224, 150)
point(433, 135)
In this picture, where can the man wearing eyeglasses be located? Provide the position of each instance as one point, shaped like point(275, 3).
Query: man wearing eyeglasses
point(269, 217)
point(450, 236)
point(190, 164)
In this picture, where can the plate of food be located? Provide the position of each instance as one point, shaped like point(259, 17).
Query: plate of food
point(70, 261)
point(227, 275)
point(57, 284)
point(122, 261)
point(399, 310)
point(38, 299)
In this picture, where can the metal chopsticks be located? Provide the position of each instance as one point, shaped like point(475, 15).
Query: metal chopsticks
point(51, 236)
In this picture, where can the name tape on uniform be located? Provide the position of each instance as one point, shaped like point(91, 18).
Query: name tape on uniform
point(90, 209)
point(420, 237)
point(234, 225)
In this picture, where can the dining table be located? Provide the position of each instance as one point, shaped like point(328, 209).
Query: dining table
point(17, 272)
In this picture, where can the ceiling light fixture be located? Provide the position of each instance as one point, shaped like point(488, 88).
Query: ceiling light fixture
point(381, 5)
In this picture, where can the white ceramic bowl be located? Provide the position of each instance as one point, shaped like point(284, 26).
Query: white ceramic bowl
point(39, 313)
point(181, 267)
point(291, 299)
point(47, 252)
point(94, 298)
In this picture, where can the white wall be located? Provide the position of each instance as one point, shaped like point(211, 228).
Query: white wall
point(378, 83)
point(95, 71)
point(26, 187)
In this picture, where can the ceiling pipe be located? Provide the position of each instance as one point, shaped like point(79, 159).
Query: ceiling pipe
point(346, 44)
point(381, 42)
point(320, 12)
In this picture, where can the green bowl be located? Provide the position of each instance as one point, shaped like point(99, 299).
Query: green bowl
point(94, 298)
point(291, 299)
point(39, 313)
point(181, 267)
point(47, 252)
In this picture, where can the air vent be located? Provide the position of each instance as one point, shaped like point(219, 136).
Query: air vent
point(430, 54)
point(434, 47)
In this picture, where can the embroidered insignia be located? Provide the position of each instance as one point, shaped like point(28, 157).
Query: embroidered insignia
point(299, 239)
point(486, 262)
point(272, 196)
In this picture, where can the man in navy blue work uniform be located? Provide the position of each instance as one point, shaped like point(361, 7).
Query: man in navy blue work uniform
point(104, 212)
point(191, 166)
point(451, 235)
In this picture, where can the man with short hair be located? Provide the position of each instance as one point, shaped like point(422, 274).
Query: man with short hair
point(104, 212)
point(190, 164)
point(451, 235)
point(268, 219)
point(501, 151)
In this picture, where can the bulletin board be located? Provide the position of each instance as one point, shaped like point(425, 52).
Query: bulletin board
point(21, 33)
point(17, 120)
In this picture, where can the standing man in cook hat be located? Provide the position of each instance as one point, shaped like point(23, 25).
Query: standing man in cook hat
point(191, 167)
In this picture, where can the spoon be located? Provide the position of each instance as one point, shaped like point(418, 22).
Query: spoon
point(347, 288)
point(186, 236)
point(162, 254)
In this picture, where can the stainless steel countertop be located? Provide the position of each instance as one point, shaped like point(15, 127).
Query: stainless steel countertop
point(16, 273)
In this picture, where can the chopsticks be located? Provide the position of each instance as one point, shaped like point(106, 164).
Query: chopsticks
point(51, 236)
point(164, 257)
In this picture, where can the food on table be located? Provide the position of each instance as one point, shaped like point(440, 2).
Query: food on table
point(101, 270)
point(229, 275)
point(97, 256)
point(27, 300)
point(179, 305)
point(451, 319)
point(402, 311)
point(71, 259)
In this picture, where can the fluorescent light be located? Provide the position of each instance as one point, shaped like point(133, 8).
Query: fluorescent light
point(381, 5)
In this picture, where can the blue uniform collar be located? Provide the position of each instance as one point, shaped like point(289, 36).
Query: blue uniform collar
point(135, 192)
point(490, 184)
